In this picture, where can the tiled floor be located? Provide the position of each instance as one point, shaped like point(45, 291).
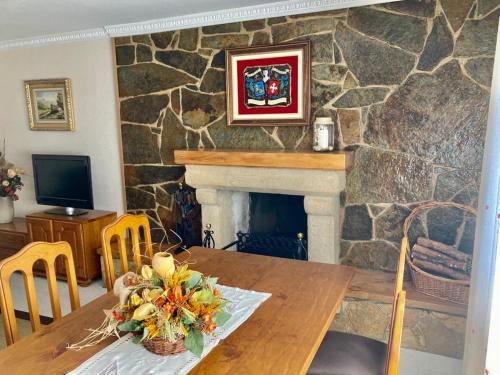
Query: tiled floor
point(412, 362)
point(87, 294)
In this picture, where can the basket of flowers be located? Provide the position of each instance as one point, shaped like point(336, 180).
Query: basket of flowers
point(168, 308)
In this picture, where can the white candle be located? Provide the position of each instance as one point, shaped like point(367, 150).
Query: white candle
point(323, 138)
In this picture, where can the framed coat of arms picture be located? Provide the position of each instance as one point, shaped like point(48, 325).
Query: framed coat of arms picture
point(269, 85)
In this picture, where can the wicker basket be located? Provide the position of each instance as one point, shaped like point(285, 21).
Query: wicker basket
point(447, 289)
point(164, 347)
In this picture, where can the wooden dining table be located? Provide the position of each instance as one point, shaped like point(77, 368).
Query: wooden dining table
point(281, 337)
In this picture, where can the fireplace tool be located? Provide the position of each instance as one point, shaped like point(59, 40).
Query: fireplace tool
point(208, 240)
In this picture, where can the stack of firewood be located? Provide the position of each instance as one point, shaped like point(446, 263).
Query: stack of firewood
point(441, 259)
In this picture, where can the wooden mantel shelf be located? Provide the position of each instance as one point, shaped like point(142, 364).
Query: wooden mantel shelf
point(337, 161)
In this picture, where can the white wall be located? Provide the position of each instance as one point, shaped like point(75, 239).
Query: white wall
point(89, 65)
point(484, 295)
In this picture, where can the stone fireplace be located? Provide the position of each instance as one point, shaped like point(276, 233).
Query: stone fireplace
point(223, 180)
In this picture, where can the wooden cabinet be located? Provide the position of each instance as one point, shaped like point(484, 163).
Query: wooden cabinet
point(41, 230)
point(13, 236)
point(81, 232)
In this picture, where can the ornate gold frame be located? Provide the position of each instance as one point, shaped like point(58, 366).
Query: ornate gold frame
point(305, 47)
point(35, 124)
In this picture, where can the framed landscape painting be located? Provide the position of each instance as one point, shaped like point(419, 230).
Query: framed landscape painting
point(49, 104)
point(269, 85)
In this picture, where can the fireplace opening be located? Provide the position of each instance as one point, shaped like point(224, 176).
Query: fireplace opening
point(277, 226)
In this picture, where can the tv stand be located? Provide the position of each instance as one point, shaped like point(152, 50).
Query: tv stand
point(82, 232)
point(66, 211)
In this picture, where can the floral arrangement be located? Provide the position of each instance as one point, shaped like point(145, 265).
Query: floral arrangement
point(10, 179)
point(168, 302)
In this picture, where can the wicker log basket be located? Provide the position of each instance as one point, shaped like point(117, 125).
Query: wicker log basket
point(164, 347)
point(447, 289)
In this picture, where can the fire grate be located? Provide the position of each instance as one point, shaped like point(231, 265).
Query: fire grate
point(272, 244)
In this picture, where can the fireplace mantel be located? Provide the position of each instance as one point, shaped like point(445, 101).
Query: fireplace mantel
point(335, 161)
point(224, 178)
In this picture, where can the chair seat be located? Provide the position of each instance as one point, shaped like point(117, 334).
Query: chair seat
point(346, 354)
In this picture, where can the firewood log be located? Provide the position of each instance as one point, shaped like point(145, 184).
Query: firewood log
point(423, 253)
point(445, 249)
point(433, 268)
point(429, 252)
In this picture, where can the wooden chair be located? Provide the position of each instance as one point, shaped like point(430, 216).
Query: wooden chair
point(344, 354)
point(118, 231)
point(23, 261)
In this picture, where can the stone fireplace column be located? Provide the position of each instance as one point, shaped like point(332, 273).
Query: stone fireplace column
point(226, 211)
point(215, 204)
point(323, 228)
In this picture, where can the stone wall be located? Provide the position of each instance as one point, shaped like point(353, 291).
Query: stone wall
point(407, 84)
point(423, 330)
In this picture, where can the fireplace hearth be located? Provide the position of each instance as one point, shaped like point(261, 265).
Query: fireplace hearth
point(277, 227)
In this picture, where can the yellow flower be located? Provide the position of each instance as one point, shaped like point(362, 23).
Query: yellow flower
point(146, 272)
point(152, 328)
point(5, 183)
point(135, 300)
point(143, 312)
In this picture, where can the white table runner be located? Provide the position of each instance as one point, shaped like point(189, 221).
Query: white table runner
point(123, 357)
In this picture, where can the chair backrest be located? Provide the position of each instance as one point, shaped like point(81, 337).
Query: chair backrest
point(23, 261)
point(125, 224)
point(396, 334)
point(396, 327)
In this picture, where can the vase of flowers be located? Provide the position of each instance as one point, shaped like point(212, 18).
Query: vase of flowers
point(10, 183)
point(168, 307)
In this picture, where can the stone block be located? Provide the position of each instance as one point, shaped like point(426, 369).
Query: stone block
point(403, 31)
point(188, 39)
point(199, 109)
point(222, 29)
point(350, 125)
point(380, 176)
point(478, 37)
point(225, 41)
point(439, 45)
point(162, 40)
point(140, 146)
point(443, 224)
point(189, 62)
point(143, 109)
point(214, 81)
point(480, 70)
point(125, 55)
point(291, 30)
point(373, 62)
point(445, 104)
point(357, 223)
point(412, 7)
point(148, 78)
point(143, 53)
point(151, 174)
point(375, 255)
point(361, 97)
point(139, 199)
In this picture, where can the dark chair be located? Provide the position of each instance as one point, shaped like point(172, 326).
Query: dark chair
point(347, 354)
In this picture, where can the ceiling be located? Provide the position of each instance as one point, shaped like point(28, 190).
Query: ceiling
point(28, 22)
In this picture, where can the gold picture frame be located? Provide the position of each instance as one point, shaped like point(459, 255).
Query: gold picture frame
point(50, 104)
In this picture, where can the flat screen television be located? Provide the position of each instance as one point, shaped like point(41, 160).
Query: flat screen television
point(64, 181)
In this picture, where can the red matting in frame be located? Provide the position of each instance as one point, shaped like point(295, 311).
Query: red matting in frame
point(292, 61)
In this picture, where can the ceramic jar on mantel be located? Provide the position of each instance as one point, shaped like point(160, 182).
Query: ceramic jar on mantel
point(324, 134)
point(6, 210)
